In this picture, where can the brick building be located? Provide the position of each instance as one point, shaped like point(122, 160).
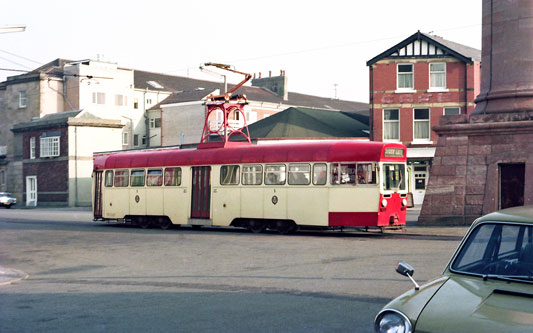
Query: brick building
point(56, 154)
point(412, 85)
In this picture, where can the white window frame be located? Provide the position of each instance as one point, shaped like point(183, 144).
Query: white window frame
point(96, 98)
point(390, 121)
point(23, 99)
point(450, 108)
point(412, 73)
point(422, 140)
point(121, 100)
point(49, 146)
point(125, 138)
point(153, 123)
point(32, 148)
point(437, 89)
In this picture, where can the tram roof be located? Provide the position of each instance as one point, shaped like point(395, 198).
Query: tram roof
point(324, 151)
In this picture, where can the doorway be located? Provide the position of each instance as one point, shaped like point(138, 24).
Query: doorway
point(201, 192)
point(512, 179)
point(31, 191)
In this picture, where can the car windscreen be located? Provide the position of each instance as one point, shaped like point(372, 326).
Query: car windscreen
point(498, 249)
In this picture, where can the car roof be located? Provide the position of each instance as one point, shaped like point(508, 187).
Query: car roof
point(522, 214)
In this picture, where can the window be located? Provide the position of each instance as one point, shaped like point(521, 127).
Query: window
point(405, 77)
point(275, 174)
point(136, 140)
point(121, 100)
point(135, 103)
point(366, 173)
point(155, 122)
point(394, 178)
point(299, 174)
point(98, 98)
point(143, 140)
point(23, 99)
point(32, 147)
point(49, 146)
point(421, 124)
point(343, 173)
point(121, 178)
point(452, 111)
point(172, 176)
point(125, 140)
point(155, 177)
point(229, 175)
point(2, 177)
point(437, 76)
point(252, 174)
point(148, 101)
point(391, 124)
point(137, 178)
point(320, 173)
point(109, 178)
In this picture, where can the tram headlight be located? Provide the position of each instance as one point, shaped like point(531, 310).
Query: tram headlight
point(404, 202)
point(384, 203)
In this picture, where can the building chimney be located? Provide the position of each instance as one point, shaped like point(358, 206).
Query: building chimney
point(275, 84)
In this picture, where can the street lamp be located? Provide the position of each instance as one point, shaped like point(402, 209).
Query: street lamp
point(12, 28)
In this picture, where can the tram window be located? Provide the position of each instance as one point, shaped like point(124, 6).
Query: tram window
point(252, 174)
point(275, 174)
point(172, 176)
point(299, 174)
point(154, 177)
point(109, 178)
point(343, 173)
point(137, 178)
point(394, 177)
point(366, 173)
point(229, 175)
point(320, 172)
point(121, 178)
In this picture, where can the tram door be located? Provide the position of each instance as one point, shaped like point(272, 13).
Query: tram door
point(420, 173)
point(97, 203)
point(201, 192)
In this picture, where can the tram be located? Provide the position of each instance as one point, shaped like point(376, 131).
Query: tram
point(323, 184)
point(332, 184)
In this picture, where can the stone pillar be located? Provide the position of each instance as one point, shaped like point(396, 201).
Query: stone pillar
point(507, 57)
point(464, 180)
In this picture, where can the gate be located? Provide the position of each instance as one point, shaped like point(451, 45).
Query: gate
point(201, 192)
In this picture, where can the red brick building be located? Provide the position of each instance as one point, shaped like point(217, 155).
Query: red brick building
point(412, 85)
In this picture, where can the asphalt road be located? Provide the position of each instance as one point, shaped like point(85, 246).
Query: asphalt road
point(88, 276)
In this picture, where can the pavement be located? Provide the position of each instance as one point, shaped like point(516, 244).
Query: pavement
point(10, 275)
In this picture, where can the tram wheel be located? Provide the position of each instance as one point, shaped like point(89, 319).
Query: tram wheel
point(285, 227)
point(164, 223)
point(256, 226)
point(144, 222)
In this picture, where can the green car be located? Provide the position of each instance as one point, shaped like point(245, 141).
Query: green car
point(486, 287)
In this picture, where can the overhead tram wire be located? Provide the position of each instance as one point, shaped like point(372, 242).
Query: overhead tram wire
point(323, 48)
point(21, 57)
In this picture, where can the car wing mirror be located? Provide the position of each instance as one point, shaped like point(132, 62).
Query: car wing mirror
point(406, 270)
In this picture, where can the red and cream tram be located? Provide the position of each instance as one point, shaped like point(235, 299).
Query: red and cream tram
point(321, 184)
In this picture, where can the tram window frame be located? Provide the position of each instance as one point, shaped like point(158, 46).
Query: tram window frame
point(121, 178)
point(158, 177)
point(362, 178)
point(229, 174)
point(320, 177)
point(295, 177)
point(252, 172)
point(108, 179)
point(388, 182)
point(134, 182)
point(175, 180)
point(275, 177)
point(345, 178)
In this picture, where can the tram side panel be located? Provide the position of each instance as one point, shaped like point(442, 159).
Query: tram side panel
point(115, 202)
point(177, 198)
point(225, 199)
point(154, 201)
point(251, 201)
point(275, 202)
point(354, 206)
point(309, 205)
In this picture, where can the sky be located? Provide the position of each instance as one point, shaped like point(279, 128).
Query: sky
point(323, 46)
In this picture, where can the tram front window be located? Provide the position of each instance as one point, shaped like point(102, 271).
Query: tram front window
point(394, 177)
